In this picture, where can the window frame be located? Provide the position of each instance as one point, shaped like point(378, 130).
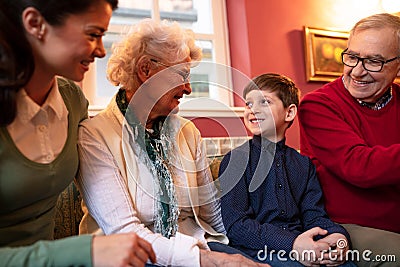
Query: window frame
point(221, 50)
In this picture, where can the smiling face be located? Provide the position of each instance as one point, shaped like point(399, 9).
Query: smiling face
point(266, 115)
point(161, 90)
point(174, 89)
point(69, 49)
point(379, 44)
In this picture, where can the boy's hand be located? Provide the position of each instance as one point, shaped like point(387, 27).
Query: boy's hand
point(338, 248)
point(310, 252)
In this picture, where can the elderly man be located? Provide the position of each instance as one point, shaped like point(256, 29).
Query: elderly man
point(351, 130)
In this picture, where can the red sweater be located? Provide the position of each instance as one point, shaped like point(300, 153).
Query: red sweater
point(357, 154)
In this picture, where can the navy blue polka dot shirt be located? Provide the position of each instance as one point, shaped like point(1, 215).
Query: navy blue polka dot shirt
point(271, 194)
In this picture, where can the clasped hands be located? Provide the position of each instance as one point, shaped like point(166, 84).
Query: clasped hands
point(330, 250)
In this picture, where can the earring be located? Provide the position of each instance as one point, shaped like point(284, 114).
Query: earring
point(41, 32)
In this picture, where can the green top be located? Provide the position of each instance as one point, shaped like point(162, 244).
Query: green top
point(29, 192)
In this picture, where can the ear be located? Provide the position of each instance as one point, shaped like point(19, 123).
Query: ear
point(33, 22)
point(291, 113)
point(143, 69)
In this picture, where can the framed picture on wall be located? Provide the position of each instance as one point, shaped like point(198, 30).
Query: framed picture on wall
point(323, 48)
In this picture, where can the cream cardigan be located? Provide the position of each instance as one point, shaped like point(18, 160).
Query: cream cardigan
point(112, 163)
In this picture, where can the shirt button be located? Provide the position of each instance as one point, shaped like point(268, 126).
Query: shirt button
point(282, 212)
point(280, 185)
point(278, 165)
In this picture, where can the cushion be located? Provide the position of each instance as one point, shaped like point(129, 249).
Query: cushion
point(214, 166)
point(68, 212)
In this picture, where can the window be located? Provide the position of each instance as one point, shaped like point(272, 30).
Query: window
point(207, 18)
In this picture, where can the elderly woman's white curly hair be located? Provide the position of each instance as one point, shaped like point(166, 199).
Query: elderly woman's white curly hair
point(166, 41)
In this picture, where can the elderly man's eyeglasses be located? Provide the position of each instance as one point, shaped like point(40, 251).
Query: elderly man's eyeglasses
point(185, 75)
point(373, 65)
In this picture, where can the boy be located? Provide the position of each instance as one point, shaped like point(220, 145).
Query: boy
point(272, 201)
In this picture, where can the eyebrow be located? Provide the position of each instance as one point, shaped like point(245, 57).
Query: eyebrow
point(184, 73)
point(376, 56)
point(95, 27)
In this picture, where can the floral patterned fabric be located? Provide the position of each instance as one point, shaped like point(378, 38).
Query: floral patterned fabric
point(68, 213)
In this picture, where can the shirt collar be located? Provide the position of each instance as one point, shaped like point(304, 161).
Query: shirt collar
point(55, 101)
point(265, 143)
point(27, 108)
point(382, 101)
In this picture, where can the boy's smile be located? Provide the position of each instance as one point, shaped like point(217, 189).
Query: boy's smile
point(265, 115)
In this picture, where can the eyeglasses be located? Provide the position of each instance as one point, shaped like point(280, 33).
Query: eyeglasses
point(185, 75)
point(373, 65)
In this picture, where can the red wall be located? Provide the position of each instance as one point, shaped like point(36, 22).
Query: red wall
point(220, 127)
point(272, 34)
point(267, 36)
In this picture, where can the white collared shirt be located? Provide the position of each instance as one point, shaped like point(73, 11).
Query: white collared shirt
point(40, 132)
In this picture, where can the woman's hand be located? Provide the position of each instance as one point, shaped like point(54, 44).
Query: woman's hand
point(121, 250)
point(212, 258)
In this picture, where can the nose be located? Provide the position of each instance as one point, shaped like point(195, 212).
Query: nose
point(359, 69)
point(187, 88)
point(100, 51)
point(255, 109)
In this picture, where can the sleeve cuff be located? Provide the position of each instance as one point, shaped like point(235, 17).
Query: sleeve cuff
point(186, 251)
point(72, 251)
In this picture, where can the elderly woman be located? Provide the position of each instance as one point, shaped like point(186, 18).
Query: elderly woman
point(143, 168)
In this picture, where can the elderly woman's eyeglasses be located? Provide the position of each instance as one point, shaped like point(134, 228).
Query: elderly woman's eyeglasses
point(373, 65)
point(185, 75)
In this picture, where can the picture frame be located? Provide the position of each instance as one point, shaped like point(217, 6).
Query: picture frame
point(323, 48)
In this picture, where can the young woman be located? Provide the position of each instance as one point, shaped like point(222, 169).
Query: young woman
point(42, 39)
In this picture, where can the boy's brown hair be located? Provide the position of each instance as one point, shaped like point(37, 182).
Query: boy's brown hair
point(284, 87)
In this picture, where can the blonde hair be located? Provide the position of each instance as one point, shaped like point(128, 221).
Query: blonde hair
point(379, 21)
point(166, 41)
